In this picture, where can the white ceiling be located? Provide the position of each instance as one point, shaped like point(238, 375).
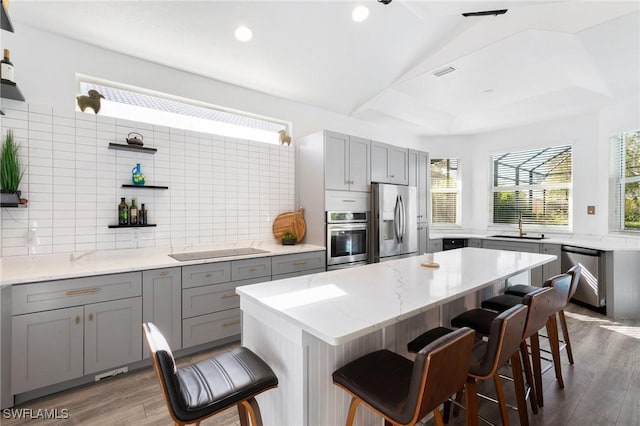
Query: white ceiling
point(540, 60)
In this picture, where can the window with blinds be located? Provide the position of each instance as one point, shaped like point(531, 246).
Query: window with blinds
point(445, 192)
point(534, 185)
point(166, 110)
point(625, 173)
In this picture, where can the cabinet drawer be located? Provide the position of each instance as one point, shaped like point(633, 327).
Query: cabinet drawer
point(474, 242)
point(288, 263)
point(250, 268)
point(512, 246)
point(74, 292)
point(213, 298)
point(347, 201)
point(210, 273)
point(298, 274)
point(209, 328)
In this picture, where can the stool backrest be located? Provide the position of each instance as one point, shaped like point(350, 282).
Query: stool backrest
point(562, 286)
point(575, 271)
point(503, 341)
point(541, 304)
point(165, 367)
point(440, 369)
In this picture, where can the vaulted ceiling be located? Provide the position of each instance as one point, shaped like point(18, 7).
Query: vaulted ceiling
point(542, 59)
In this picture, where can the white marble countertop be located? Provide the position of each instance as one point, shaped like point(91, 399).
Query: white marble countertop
point(24, 269)
point(604, 243)
point(339, 306)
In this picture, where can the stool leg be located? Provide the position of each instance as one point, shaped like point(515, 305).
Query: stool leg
point(501, 399)
point(242, 413)
point(472, 401)
point(518, 382)
point(526, 361)
point(252, 408)
point(438, 416)
point(552, 331)
point(352, 410)
point(537, 367)
point(565, 333)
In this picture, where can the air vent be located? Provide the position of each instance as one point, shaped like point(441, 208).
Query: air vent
point(443, 71)
point(486, 13)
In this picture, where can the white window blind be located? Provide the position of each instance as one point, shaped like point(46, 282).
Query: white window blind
point(534, 185)
point(625, 168)
point(445, 191)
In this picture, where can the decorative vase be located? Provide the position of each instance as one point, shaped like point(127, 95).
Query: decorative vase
point(136, 175)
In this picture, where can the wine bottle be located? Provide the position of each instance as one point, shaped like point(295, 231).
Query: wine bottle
point(142, 215)
point(6, 69)
point(123, 212)
point(133, 213)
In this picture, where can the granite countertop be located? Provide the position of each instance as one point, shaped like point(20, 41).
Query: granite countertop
point(44, 267)
point(604, 243)
point(339, 306)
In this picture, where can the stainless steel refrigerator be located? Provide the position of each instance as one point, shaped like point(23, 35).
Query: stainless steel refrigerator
point(394, 221)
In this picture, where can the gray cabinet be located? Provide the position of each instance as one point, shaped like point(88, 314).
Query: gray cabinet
point(418, 169)
point(423, 239)
point(389, 164)
point(347, 163)
point(205, 274)
point(536, 273)
point(161, 293)
point(474, 242)
point(47, 348)
point(434, 246)
point(552, 268)
point(288, 264)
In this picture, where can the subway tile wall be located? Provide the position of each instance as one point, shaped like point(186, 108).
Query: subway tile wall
point(221, 189)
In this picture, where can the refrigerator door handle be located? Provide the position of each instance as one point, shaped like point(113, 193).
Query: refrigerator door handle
point(402, 219)
point(396, 218)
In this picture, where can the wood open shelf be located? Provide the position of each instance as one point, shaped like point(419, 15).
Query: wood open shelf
point(132, 226)
point(11, 91)
point(134, 148)
point(128, 185)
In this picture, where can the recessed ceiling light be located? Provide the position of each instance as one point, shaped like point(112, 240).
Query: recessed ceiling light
point(360, 13)
point(243, 33)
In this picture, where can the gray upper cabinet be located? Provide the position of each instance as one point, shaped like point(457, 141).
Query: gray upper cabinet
point(347, 163)
point(389, 164)
point(161, 292)
point(418, 169)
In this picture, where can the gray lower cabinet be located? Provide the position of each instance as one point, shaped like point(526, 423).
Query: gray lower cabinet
point(474, 242)
point(423, 238)
point(536, 277)
point(47, 348)
point(434, 245)
point(552, 268)
point(210, 327)
point(287, 264)
point(161, 294)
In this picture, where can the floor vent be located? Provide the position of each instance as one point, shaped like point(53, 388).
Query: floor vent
point(111, 373)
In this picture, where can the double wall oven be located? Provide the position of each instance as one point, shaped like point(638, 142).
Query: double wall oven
point(347, 239)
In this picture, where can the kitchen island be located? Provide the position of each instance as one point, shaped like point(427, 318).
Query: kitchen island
point(307, 327)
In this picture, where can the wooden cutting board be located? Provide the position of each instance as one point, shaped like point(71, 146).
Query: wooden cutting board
point(292, 222)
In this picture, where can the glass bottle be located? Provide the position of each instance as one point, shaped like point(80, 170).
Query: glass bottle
point(6, 69)
point(142, 215)
point(123, 212)
point(133, 213)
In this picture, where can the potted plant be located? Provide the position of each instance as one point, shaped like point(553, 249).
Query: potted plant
point(10, 171)
point(288, 239)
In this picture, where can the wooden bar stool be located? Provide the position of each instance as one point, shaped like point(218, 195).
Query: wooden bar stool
point(402, 391)
point(201, 390)
point(502, 344)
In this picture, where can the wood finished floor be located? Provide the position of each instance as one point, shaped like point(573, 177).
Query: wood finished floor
point(602, 388)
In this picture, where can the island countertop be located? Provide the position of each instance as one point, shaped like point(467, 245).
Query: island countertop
point(339, 306)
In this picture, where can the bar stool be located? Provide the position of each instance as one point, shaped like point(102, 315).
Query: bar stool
point(503, 344)
point(562, 285)
point(522, 290)
point(201, 390)
point(540, 305)
point(402, 391)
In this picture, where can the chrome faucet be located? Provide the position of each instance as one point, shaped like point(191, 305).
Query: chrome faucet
point(522, 234)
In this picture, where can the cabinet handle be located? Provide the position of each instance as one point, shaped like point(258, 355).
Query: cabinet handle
point(252, 269)
point(78, 319)
point(346, 182)
point(82, 291)
point(348, 201)
point(207, 275)
point(229, 323)
point(90, 317)
point(163, 273)
point(229, 295)
point(304, 262)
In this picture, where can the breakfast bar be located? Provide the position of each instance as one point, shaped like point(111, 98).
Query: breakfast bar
point(307, 327)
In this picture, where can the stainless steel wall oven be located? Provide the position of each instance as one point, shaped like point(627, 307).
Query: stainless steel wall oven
point(347, 239)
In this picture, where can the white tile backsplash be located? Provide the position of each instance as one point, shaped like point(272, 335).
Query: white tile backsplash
point(221, 190)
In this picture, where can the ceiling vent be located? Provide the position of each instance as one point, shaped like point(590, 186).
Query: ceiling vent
point(443, 71)
point(486, 13)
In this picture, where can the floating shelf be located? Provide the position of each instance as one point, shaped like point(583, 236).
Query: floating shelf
point(11, 91)
point(128, 185)
point(13, 205)
point(132, 226)
point(1, 111)
point(5, 21)
point(134, 148)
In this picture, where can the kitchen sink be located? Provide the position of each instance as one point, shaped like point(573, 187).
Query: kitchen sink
point(518, 237)
point(199, 255)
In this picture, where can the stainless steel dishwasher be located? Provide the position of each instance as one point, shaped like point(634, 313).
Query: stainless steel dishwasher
point(591, 288)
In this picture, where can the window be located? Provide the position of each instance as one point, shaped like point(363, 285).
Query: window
point(626, 182)
point(534, 185)
point(445, 192)
point(150, 107)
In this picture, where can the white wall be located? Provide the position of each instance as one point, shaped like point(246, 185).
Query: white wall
point(589, 135)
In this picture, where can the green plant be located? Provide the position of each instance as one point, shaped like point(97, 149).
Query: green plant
point(289, 236)
point(10, 172)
